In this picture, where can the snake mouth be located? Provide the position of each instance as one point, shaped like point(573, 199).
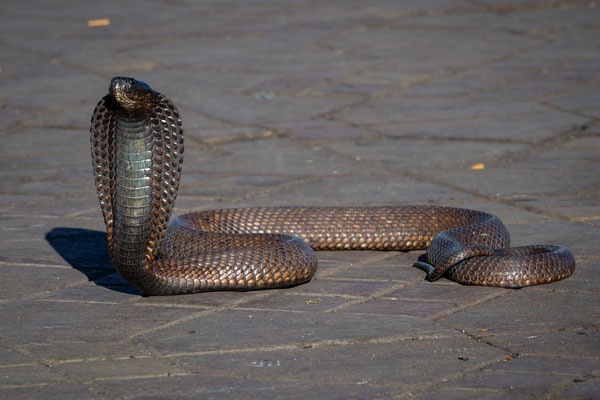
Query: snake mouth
point(130, 93)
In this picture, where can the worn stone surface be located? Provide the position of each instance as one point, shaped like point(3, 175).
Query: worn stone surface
point(306, 103)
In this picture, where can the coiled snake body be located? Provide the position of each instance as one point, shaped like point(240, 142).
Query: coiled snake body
point(137, 147)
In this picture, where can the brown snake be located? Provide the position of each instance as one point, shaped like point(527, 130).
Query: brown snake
point(137, 147)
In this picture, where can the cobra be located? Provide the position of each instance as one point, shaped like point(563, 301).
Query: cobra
point(137, 154)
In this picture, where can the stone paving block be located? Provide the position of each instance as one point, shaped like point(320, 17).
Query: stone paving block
point(58, 391)
point(60, 322)
point(410, 46)
point(528, 383)
point(261, 108)
point(531, 127)
point(584, 341)
point(40, 279)
point(535, 363)
point(80, 352)
point(353, 190)
point(246, 329)
point(302, 302)
point(386, 306)
point(402, 109)
point(217, 387)
point(207, 300)
point(445, 292)
point(344, 287)
point(562, 233)
point(13, 358)
point(520, 312)
point(113, 369)
point(97, 291)
point(248, 158)
point(582, 100)
point(15, 376)
point(444, 391)
point(397, 267)
point(80, 249)
point(376, 365)
point(409, 154)
point(75, 117)
point(510, 182)
point(540, 16)
point(329, 133)
point(581, 388)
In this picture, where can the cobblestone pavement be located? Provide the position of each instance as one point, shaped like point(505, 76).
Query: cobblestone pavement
point(296, 103)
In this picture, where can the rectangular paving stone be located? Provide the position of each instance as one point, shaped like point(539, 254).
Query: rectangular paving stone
point(398, 267)
point(385, 364)
point(334, 287)
point(581, 388)
point(524, 311)
point(30, 375)
point(115, 369)
point(511, 180)
point(51, 391)
point(352, 190)
point(295, 302)
point(407, 109)
point(246, 328)
point(415, 154)
point(28, 322)
point(462, 393)
point(584, 342)
point(557, 364)
point(224, 387)
point(528, 383)
point(249, 158)
point(39, 279)
point(426, 299)
point(530, 127)
point(386, 306)
point(78, 352)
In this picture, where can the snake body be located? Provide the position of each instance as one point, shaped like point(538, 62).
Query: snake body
point(137, 147)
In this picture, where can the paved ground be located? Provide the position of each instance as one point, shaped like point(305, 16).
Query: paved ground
point(325, 103)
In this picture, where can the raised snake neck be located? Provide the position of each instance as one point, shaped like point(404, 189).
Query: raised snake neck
point(137, 147)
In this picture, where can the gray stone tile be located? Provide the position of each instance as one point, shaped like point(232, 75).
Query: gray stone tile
point(224, 387)
point(554, 364)
point(584, 342)
point(414, 154)
point(525, 311)
point(582, 388)
point(246, 329)
point(357, 190)
point(59, 322)
point(397, 267)
point(524, 383)
point(531, 127)
point(400, 109)
point(58, 391)
point(367, 364)
point(40, 279)
point(28, 375)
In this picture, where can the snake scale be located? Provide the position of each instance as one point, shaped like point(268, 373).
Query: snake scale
point(137, 153)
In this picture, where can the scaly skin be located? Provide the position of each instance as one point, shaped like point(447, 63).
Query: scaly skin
point(137, 147)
